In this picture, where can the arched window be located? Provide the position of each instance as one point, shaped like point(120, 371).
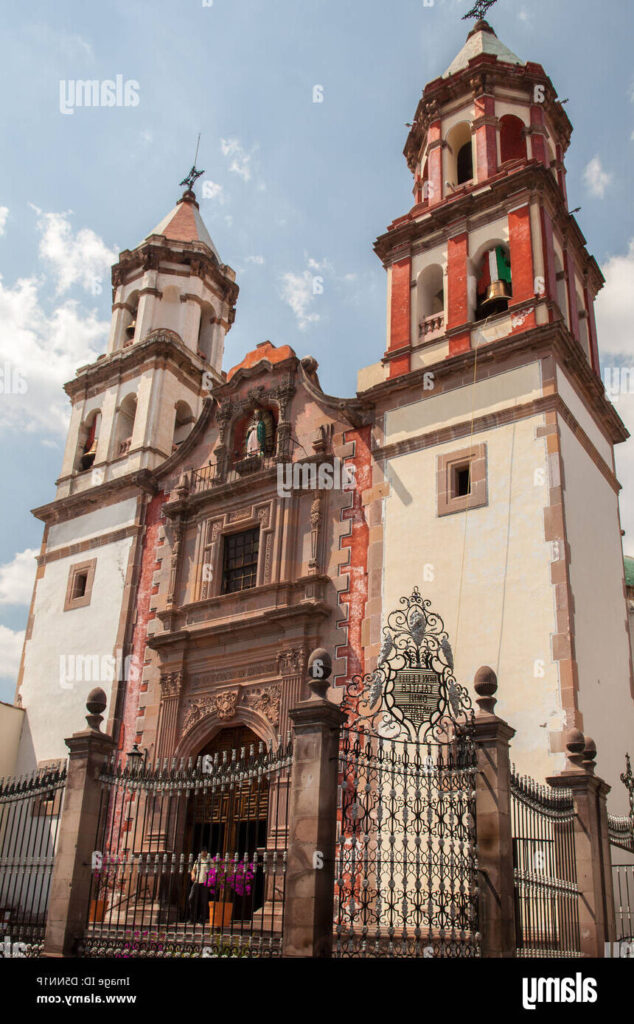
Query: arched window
point(183, 422)
point(431, 300)
point(125, 425)
point(493, 281)
point(205, 332)
point(459, 155)
point(128, 320)
point(465, 163)
point(512, 139)
point(89, 437)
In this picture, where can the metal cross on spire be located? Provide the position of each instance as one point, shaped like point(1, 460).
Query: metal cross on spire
point(479, 9)
point(194, 174)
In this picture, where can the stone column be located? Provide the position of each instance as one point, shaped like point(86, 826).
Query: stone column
point(493, 818)
point(70, 887)
point(310, 873)
point(597, 922)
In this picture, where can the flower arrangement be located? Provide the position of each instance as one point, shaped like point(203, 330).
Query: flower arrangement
point(235, 875)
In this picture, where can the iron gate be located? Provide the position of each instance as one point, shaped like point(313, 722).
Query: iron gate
point(406, 867)
point(30, 809)
point(190, 858)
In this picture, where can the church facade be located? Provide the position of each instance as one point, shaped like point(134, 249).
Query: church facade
point(210, 528)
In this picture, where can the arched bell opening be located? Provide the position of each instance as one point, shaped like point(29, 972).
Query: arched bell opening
point(493, 280)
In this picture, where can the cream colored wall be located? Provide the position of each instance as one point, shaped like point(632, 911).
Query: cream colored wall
point(491, 577)
point(11, 719)
point(584, 419)
point(505, 389)
point(600, 613)
point(53, 699)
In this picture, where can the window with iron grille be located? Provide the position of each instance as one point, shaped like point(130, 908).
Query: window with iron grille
point(240, 560)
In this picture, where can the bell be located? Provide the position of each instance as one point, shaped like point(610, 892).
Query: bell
point(92, 450)
point(130, 329)
point(497, 297)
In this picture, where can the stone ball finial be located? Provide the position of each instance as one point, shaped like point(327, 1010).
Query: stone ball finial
point(319, 672)
point(485, 683)
point(589, 754)
point(575, 743)
point(96, 705)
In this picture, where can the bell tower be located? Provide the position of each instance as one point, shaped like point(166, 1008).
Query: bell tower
point(489, 244)
point(173, 303)
point(493, 432)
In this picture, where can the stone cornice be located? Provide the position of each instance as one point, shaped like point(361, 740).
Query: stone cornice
point(478, 199)
point(108, 493)
point(196, 255)
point(537, 341)
point(157, 345)
point(481, 76)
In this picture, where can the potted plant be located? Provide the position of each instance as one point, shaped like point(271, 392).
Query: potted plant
point(227, 878)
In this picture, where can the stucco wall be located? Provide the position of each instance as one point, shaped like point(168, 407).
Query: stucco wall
point(488, 577)
point(600, 613)
point(11, 719)
point(55, 684)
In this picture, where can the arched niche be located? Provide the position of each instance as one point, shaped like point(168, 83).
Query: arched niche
point(204, 344)
point(241, 427)
point(430, 299)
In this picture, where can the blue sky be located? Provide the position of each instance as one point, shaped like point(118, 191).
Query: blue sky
point(299, 188)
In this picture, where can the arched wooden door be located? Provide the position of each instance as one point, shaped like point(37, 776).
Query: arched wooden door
point(231, 822)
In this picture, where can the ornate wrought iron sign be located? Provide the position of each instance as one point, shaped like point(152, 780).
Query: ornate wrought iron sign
point(413, 693)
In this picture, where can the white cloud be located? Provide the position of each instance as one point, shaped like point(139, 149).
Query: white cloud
point(11, 643)
point(82, 258)
point(17, 577)
point(615, 306)
point(615, 314)
point(596, 179)
point(212, 190)
point(240, 160)
point(298, 290)
point(41, 351)
point(4, 213)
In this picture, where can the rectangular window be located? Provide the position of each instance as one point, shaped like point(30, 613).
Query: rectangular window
point(240, 560)
point(462, 480)
point(79, 587)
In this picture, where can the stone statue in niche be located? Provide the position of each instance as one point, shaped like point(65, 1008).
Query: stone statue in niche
point(259, 436)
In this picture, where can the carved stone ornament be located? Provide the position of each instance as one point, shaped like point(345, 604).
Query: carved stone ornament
point(223, 706)
point(171, 684)
point(265, 700)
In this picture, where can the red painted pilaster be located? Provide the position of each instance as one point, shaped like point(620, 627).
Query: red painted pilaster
point(486, 138)
point(400, 315)
point(457, 294)
point(522, 272)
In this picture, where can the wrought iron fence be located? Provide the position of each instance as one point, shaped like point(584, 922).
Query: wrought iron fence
point(30, 809)
point(190, 859)
point(406, 869)
point(621, 836)
point(545, 870)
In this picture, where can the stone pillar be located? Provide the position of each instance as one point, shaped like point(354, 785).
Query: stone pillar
point(597, 922)
point(493, 818)
point(70, 887)
point(310, 873)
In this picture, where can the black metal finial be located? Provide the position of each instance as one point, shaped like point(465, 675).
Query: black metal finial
point(479, 9)
point(194, 174)
point(191, 178)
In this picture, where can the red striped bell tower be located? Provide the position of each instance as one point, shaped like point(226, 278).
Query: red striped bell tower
point(486, 151)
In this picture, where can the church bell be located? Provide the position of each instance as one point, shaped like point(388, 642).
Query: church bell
point(497, 297)
point(130, 329)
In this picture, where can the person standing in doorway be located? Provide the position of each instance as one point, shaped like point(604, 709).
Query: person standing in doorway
point(199, 892)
